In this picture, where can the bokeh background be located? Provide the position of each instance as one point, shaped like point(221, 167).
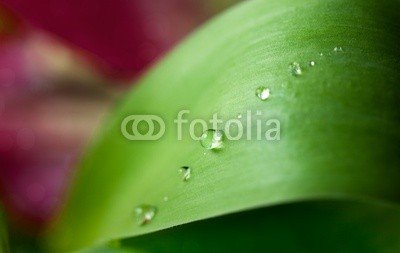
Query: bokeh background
point(63, 64)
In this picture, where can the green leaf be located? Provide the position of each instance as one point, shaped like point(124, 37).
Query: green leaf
point(323, 226)
point(340, 130)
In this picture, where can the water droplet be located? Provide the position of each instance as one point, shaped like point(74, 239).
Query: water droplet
point(145, 213)
point(186, 172)
point(295, 69)
point(321, 54)
point(263, 93)
point(312, 63)
point(212, 139)
point(239, 116)
point(338, 49)
point(165, 198)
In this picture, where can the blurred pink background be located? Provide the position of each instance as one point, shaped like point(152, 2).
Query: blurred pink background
point(63, 63)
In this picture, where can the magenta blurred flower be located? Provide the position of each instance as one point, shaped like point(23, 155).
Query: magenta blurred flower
point(124, 36)
point(43, 130)
point(39, 148)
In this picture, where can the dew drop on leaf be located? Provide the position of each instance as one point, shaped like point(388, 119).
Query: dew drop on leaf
point(338, 49)
point(212, 139)
point(295, 69)
point(312, 63)
point(186, 172)
point(263, 93)
point(145, 213)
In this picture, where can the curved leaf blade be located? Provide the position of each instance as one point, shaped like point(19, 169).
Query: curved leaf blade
point(340, 123)
point(321, 226)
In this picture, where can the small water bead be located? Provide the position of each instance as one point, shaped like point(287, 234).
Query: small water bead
point(165, 199)
point(239, 116)
point(295, 69)
point(321, 54)
point(186, 172)
point(312, 63)
point(212, 139)
point(145, 213)
point(263, 93)
point(338, 49)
